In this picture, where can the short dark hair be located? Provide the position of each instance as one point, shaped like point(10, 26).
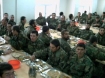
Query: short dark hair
point(32, 21)
point(93, 39)
point(81, 45)
point(22, 18)
point(63, 31)
point(70, 16)
point(61, 13)
point(16, 28)
point(55, 42)
point(34, 32)
point(103, 12)
point(45, 28)
point(53, 13)
point(4, 67)
point(5, 13)
point(102, 28)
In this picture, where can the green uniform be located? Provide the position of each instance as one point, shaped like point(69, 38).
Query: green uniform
point(81, 68)
point(97, 22)
point(9, 34)
point(101, 39)
point(45, 38)
point(21, 26)
point(56, 59)
point(35, 46)
point(78, 18)
point(95, 53)
point(52, 23)
point(41, 21)
point(65, 45)
point(12, 22)
point(63, 26)
point(18, 42)
point(3, 30)
point(85, 34)
point(73, 30)
point(83, 18)
point(89, 20)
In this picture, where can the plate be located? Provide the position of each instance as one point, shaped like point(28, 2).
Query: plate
point(16, 55)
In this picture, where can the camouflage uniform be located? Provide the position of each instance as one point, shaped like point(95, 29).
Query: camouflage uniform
point(97, 22)
point(41, 21)
point(78, 19)
point(52, 23)
point(45, 38)
point(85, 34)
point(83, 18)
point(95, 53)
point(18, 42)
point(73, 30)
point(21, 26)
point(12, 22)
point(9, 34)
point(101, 39)
point(89, 20)
point(65, 46)
point(81, 68)
point(56, 59)
point(63, 25)
point(3, 30)
point(35, 46)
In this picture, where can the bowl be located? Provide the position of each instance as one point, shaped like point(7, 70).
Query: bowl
point(15, 64)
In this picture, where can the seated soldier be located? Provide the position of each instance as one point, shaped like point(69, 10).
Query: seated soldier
point(89, 19)
point(101, 36)
point(17, 40)
point(56, 56)
point(45, 36)
point(3, 27)
point(6, 71)
point(78, 18)
point(41, 20)
point(80, 65)
point(71, 17)
point(62, 25)
point(73, 29)
point(5, 16)
point(52, 22)
point(64, 41)
point(95, 53)
point(97, 22)
point(12, 20)
point(34, 43)
point(86, 33)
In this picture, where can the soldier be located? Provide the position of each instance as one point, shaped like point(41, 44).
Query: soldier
point(12, 20)
point(97, 22)
point(17, 40)
point(22, 23)
point(89, 19)
point(95, 53)
point(45, 36)
point(73, 29)
point(71, 17)
point(5, 16)
point(56, 56)
point(34, 43)
point(62, 25)
point(3, 27)
point(6, 71)
point(78, 18)
point(80, 65)
point(101, 36)
point(52, 22)
point(41, 20)
point(64, 41)
point(86, 33)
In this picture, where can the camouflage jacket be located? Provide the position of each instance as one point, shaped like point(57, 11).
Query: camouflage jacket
point(9, 34)
point(63, 25)
point(78, 19)
point(101, 39)
point(85, 34)
point(52, 23)
point(41, 21)
point(97, 22)
point(73, 30)
point(56, 59)
point(89, 20)
point(35, 46)
point(81, 68)
point(13, 23)
point(21, 26)
point(45, 38)
point(3, 30)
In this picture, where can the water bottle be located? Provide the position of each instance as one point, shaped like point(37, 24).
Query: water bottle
point(32, 71)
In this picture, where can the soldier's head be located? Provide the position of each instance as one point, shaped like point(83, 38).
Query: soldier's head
point(45, 29)
point(88, 26)
point(32, 22)
point(40, 14)
point(65, 34)
point(6, 71)
point(103, 13)
point(23, 19)
point(61, 13)
point(101, 30)
point(33, 36)
point(4, 22)
point(93, 40)
point(15, 30)
point(54, 45)
point(70, 16)
point(72, 23)
point(12, 17)
point(9, 26)
point(79, 14)
point(80, 50)
point(5, 15)
point(97, 18)
point(53, 15)
point(62, 18)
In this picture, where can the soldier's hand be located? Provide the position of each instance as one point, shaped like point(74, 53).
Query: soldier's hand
point(32, 57)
